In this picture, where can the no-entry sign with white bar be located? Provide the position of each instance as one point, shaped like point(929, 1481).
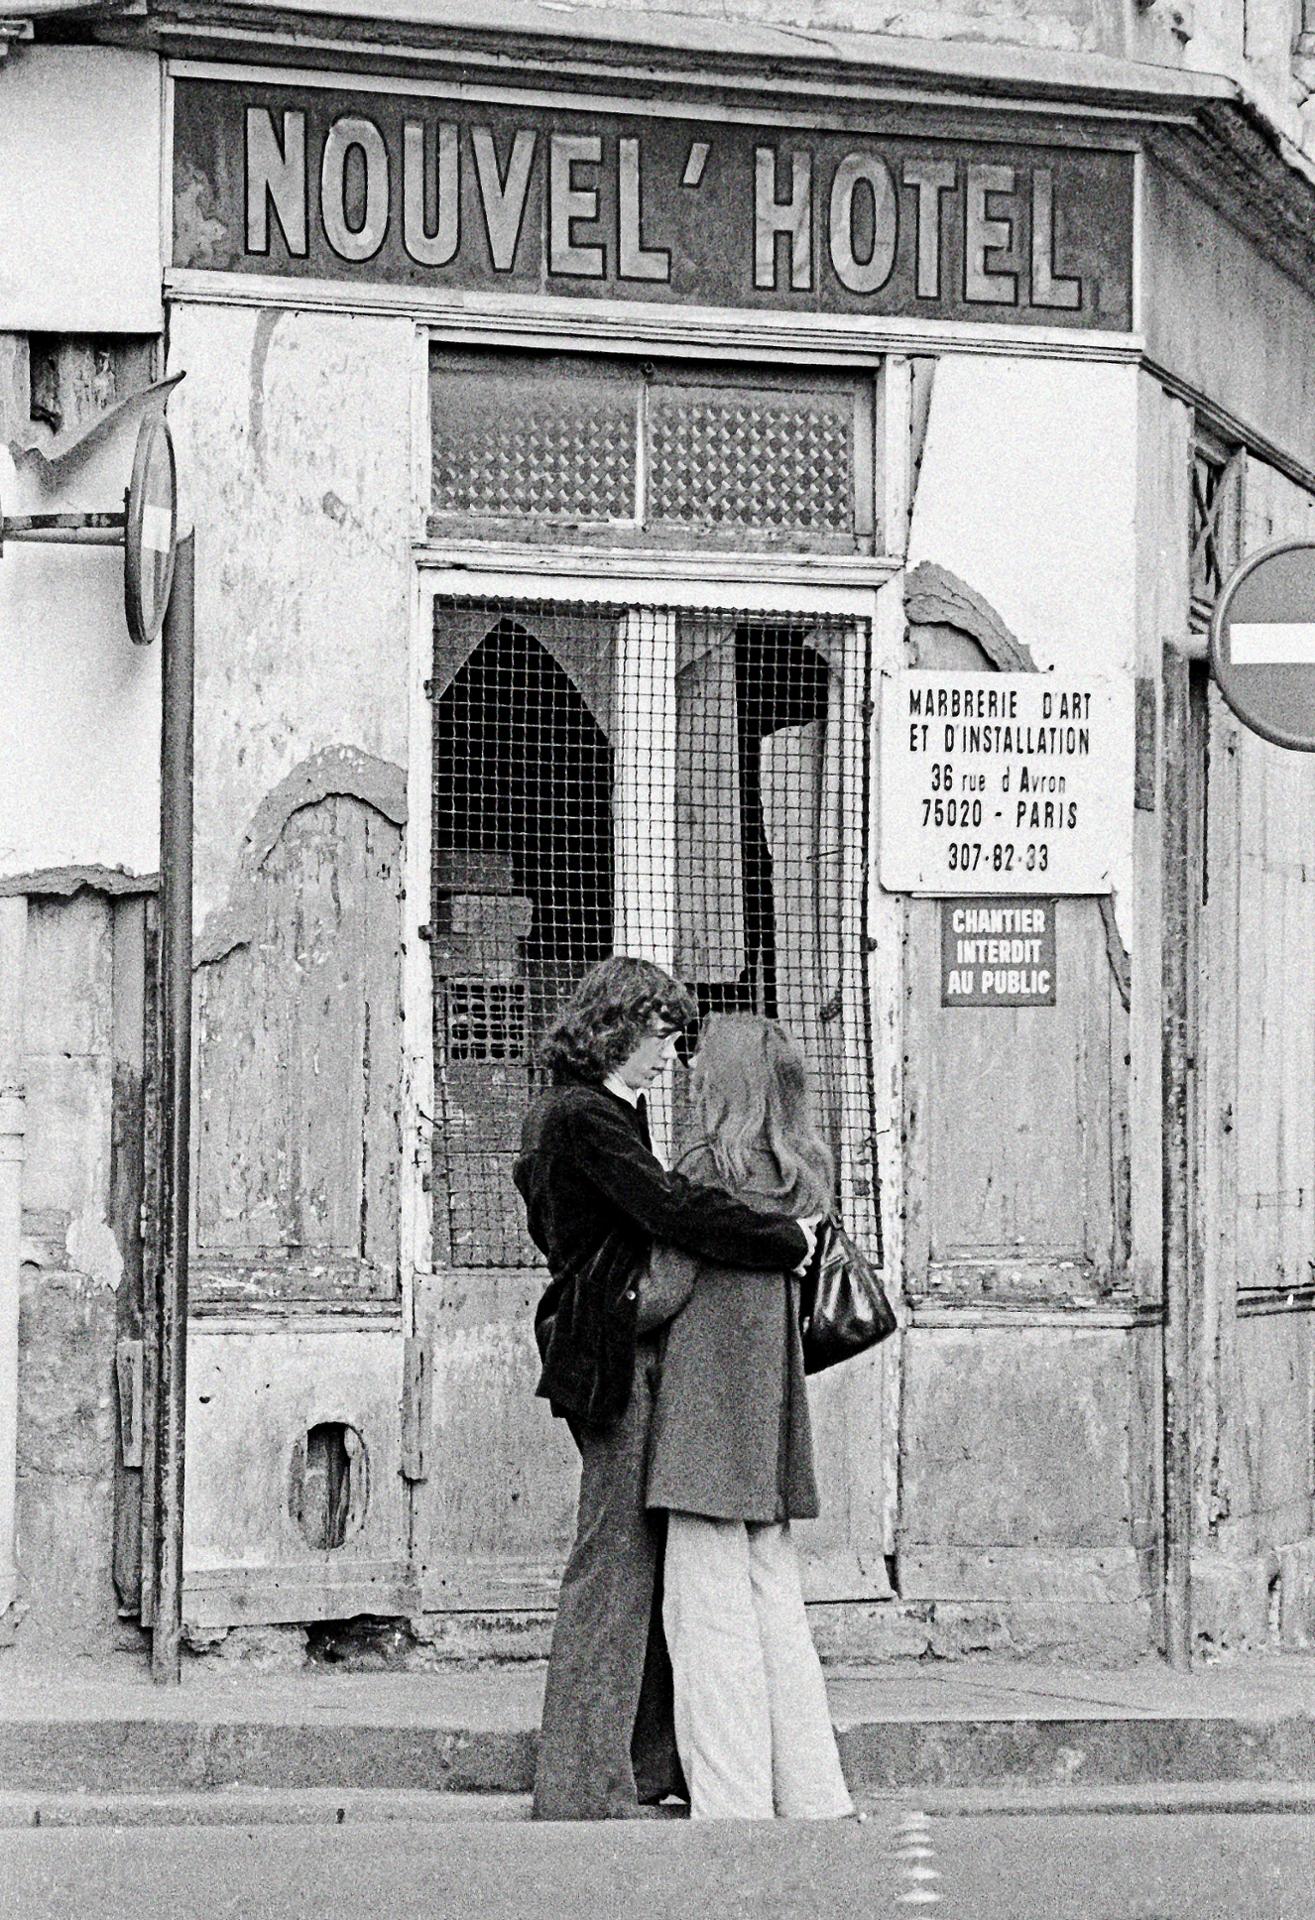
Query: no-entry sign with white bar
point(1272, 643)
point(151, 530)
point(1262, 644)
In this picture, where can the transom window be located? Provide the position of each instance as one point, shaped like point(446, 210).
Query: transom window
point(669, 454)
point(686, 785)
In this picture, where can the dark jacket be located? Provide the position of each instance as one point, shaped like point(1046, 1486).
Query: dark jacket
point(731, 1436)
point(596, 1199)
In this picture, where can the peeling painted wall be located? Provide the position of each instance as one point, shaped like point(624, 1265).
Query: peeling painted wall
point(1206, 288)
point(1028, 492)
point(79, 255)
point(294, 431)
point(1090, 26)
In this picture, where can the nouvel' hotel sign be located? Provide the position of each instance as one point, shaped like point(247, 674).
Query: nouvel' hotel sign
point(322, 180)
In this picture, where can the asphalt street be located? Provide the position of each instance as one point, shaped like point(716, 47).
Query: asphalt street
point(1019, 1867)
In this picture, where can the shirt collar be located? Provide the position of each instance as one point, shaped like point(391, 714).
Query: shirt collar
point(615, 1084)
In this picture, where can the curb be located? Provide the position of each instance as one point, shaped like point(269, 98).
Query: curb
point(263, 1807)
point(1196, 1796)
point(124, 1756)
point(896, 1756)
point(248, 1809)
point(165, 1757)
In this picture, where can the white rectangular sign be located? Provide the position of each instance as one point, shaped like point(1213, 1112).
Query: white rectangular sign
point(1005, 782)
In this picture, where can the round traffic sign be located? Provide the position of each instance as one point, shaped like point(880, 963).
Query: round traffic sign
point(1262, 644)
point(151, 530)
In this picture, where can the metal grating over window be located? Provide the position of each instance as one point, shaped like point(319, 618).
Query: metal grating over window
point(687, 785)
point(630, 449)
point(486, 1020)
point(533, 445)
point(773, 460)
point(1216, 530)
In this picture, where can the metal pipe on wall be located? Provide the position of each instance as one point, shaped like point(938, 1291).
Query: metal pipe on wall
point(175, 1111)
point(1175, 936)
point(13, 948)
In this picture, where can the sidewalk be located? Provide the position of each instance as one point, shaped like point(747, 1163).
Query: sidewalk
point(325, 1739)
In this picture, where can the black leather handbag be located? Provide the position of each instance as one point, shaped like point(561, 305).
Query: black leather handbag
point(843, 1309)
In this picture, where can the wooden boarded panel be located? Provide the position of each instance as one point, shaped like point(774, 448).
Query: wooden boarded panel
point(1013, 1132)
point(498, 1511)
point(127, 1192)
point(1017, 1169)
point(1271, 1457)
point(1257, 1197)
point(298, 1065)
point(251, 1401)
point(1263, 907)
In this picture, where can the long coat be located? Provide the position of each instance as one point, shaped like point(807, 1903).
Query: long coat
point(731, 1436)
point(596, 1199)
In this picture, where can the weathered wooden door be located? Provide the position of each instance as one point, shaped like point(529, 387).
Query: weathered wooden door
point(1255, 1138)
point(297, 1507)
point(682, 782)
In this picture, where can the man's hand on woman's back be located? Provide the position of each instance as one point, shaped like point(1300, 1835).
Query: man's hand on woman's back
point(809, 1226)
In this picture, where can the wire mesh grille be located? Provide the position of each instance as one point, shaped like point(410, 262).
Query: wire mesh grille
point(690, 786)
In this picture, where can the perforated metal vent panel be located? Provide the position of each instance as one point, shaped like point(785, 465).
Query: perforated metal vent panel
point(690, 785)
point(767, 459)
point(640, 452)
point(512, 445)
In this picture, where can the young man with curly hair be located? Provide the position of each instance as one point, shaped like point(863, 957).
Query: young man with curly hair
point(597, 1200)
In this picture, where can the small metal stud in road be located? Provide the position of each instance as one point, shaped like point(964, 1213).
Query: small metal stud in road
point(1262, 644)
point(914, 1856)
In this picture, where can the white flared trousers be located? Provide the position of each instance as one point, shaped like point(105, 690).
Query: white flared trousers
point(752, 1723)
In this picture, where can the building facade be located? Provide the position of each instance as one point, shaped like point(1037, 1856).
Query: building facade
point(661, 484)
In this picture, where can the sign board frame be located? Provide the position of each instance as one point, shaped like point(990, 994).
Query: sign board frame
point(998, 784)
point(309, 174)
point(1226, 670)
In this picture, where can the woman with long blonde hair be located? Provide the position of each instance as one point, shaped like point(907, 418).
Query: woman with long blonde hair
point(731, 1457)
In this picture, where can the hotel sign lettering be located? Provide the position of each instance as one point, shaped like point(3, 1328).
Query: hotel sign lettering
point(464, 195)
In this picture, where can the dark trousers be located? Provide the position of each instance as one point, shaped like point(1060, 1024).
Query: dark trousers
point(608, 1741)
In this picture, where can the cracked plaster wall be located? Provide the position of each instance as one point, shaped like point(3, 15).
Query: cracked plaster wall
point(1092, 26)
point(79, 720)
point(71, 1271)
point(1247, 36)
point(295, 431)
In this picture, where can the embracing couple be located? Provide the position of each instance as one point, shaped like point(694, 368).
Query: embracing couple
point(682, 1665)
